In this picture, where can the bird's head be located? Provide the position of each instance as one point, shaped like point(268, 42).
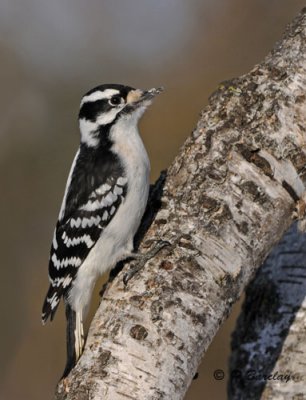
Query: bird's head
point(104, 105)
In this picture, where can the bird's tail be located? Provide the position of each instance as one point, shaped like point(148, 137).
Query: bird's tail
point(51, 303)
point(75, 338)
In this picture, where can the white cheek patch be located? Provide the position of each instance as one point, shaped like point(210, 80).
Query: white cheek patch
point(88, 129)
point(99, 95)
point(108, 117)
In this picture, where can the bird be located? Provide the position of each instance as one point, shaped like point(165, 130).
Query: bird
point(104, 200)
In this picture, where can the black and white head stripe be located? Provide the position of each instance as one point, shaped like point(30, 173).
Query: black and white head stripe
point(100, 94)
point(96, 190)
point(101, 106)
point(100, 101)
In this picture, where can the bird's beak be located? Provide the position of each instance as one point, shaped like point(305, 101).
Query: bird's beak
point(149, 94)
point(137, 97)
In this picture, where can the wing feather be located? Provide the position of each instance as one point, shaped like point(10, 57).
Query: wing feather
point(88, 209)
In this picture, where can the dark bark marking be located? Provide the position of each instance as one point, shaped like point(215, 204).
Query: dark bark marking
point(138, 332)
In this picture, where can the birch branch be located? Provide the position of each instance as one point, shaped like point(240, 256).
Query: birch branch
point(227, 199)
point(269, 347)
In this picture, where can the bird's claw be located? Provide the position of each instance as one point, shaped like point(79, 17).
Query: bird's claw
point(143, 259)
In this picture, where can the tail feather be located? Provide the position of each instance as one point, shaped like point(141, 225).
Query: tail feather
point(51, 303)
point(75, 338)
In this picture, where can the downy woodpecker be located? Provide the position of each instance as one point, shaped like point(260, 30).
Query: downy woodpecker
point(104, 201)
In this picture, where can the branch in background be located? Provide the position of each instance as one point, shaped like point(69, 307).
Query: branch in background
point(227, 199)
point(268, 347)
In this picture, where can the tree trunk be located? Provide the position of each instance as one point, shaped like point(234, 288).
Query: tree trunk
point(226, 200)
point(269, 348)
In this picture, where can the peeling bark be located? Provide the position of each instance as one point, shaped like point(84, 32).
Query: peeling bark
point(269, 348)
point(227, 199)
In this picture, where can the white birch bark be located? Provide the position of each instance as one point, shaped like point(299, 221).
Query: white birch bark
point(227, 199)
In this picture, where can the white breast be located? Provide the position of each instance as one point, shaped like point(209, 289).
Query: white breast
point(116, 241)
point(132, 152)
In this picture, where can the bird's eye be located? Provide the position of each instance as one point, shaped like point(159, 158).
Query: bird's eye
point(115, 100)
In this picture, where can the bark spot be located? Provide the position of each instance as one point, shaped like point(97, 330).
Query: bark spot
point(196, 318)
point(179, 359)
point(115, 329)
point(290, 191)
point(254, 192)
point(83, 393)
point(104, 357)
point(254, 158)
point(170, 337)
point(103, 361)
point(251, 87)
point(208, 203)
point(214, 174)
point(300, 99)
point(299, 161)
point(185, 244)
point(277, 73)
point(137, 301)
point(223, 214)
point(156, 310)
point(166, 265)
point(161, 221)
point(243, 227)
point(138, 332)
point(208, 140)
point(151, 284)
point(262, 164)
point(177, 302)
point(183, 283)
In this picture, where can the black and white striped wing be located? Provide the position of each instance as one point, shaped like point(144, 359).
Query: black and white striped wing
point(77, 233)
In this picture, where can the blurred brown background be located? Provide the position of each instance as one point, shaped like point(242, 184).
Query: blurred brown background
point(52, 52)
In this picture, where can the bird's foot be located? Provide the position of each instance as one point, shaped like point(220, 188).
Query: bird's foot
point(142, 259)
